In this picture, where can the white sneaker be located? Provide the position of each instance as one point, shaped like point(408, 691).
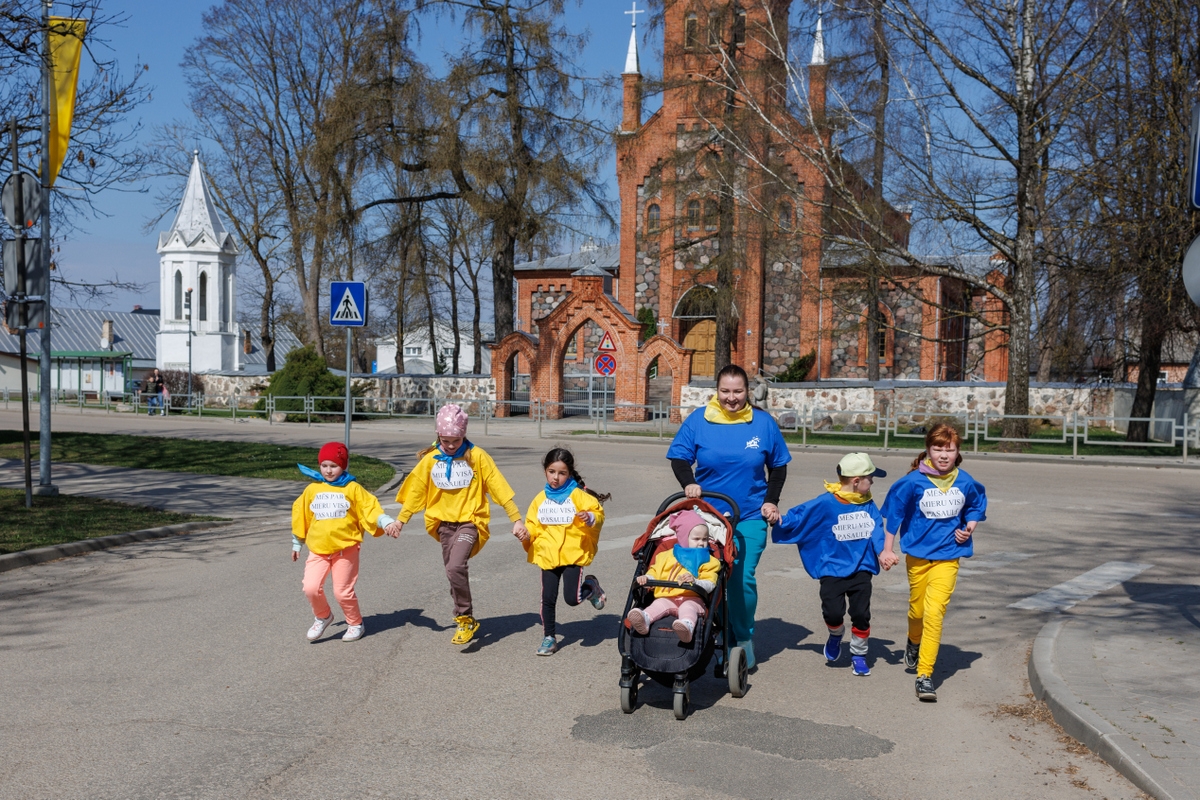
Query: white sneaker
point(318, 627)
point(354, 633)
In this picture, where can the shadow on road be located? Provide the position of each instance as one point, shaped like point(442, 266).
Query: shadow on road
point(773, 636)
point(951, 660)
point(493, 629)
point(589, 632)
point(1184, 598)
point(378, 623)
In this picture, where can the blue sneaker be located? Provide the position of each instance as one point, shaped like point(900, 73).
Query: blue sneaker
point(859, 665)
point(597, 598)
point(833, 647)
point(548, 647)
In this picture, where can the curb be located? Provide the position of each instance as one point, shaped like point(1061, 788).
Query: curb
point(40, 555)
point(1079, 720)
point(393, 483)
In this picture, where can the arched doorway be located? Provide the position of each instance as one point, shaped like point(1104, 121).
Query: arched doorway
point(697, 311)
point(701, 336)
point(518, 387)
point(585, 392)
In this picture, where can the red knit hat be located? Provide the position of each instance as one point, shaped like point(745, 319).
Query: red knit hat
point(335, 452)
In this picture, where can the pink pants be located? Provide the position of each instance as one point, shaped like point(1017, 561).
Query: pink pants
point(344, 566)
point(684, 607)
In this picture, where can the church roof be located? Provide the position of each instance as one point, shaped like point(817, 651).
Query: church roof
point(608, 257)
point(197, 215)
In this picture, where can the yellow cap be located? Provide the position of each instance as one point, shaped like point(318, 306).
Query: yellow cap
point(858, 465)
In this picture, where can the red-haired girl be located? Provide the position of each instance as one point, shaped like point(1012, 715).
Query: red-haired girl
point(935, 508)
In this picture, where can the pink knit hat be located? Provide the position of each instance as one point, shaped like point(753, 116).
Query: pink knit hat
point(451, 421)
point(682, 523)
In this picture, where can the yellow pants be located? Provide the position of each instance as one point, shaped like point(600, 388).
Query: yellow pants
point(930, 584)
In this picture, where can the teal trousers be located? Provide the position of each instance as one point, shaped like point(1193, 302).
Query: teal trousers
point(751, 538)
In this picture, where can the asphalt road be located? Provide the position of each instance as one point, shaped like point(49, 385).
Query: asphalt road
point(179, 668)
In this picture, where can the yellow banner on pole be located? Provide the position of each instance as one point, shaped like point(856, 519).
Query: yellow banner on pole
point(66, 48)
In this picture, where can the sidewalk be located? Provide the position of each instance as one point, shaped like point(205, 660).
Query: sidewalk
point(184, 492)
point(1123, 681)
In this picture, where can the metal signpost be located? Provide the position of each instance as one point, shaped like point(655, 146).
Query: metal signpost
point(22, 195)
point(348, 309)
point(1191, 260)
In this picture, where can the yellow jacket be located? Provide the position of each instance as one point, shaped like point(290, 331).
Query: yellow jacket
point(331, 518)
point(573, 544)
point(665, 567)
point(476, 477)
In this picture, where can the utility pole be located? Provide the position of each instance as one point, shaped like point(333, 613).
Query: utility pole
point(45, 487)
point(20, 296)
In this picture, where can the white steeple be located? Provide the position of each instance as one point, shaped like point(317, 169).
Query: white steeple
point(632, 65)
point(198, 256)
point(197, 214)
point(818, 56)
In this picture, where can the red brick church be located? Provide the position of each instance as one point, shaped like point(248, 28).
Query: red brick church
point(795, 292)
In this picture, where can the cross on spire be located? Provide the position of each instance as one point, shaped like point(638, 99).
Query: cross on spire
point(633, 14)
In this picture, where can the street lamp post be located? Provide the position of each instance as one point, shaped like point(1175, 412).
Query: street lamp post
point(187, 315)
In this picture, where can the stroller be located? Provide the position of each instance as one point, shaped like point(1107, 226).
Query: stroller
point(660, 654)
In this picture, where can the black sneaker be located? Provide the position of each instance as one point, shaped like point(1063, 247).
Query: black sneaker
point(925, 690)
point(911, 651)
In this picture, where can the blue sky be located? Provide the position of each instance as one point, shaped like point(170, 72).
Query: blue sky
point(158, 33)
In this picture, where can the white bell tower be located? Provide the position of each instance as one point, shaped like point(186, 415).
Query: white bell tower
point(197, 253)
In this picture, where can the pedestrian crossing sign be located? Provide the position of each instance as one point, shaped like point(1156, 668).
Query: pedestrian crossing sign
point(348, 304)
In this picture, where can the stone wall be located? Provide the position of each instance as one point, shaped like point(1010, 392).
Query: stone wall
point(466, 390)
point(853, 402)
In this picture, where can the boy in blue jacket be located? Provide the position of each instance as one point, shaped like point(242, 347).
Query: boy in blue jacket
point(840, 537)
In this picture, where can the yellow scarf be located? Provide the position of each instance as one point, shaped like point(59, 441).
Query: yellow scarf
point(945, 481)
point(716, 413)
point(853, 498)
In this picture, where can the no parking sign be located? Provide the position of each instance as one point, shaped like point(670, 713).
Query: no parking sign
point(606, 364)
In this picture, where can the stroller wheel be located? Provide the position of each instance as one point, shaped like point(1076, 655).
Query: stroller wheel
point(629, 697)
point(738, 678)
point(681, 704)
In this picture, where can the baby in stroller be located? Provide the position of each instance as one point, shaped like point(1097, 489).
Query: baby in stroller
point(689, 561)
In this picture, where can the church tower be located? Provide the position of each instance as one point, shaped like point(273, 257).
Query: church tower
point(197, 253)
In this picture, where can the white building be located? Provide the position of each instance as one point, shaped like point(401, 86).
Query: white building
point(198, 254)
point(419, 353)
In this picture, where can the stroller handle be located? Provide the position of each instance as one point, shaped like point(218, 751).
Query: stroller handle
point(734, 517)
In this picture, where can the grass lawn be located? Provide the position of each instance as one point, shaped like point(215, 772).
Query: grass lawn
point(55, 520)
point(1053, 444)
point(237, 459)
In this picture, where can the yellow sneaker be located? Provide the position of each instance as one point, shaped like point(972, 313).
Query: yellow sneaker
point(466, 629)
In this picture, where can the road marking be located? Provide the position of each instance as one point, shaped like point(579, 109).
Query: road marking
point(1081, 588)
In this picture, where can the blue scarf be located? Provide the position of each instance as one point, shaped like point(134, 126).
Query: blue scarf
point(691, 558)
point(440, 455)
point(561, 494)
point(316, 475)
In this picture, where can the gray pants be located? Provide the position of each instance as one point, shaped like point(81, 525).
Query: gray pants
point(458, 539)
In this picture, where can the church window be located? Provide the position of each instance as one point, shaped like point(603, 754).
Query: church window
point(693, 215)
point(690, 34)
point(785, 216)
point(881, 336)
point(714, 30)
point(711, 215)
point(739, 27)
point(202, 312)
point(652, 217)
point(178, 294)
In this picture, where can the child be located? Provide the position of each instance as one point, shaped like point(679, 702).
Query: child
point(689, 561)
point(935, 507)
point(330, 517)
point(452, 483)
point(564, 522)
point(840, 539)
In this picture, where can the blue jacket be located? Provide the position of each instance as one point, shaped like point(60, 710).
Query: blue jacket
point(926, 518)
point(835, 539)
